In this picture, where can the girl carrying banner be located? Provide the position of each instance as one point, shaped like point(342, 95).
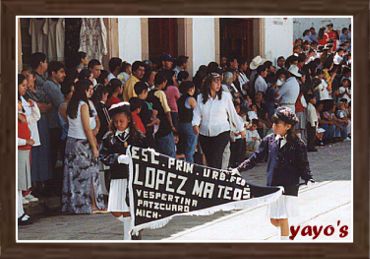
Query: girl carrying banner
point(286, 163)
point(113, 153)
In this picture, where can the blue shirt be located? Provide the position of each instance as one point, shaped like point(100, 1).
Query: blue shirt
point(56, 98)
point(313, 37)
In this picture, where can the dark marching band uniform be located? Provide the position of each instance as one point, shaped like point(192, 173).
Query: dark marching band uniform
point(113, 154)
point(286, 163)
point(114, 145)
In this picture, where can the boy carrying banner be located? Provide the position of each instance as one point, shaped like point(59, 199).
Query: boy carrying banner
point(287, 162)
point(113, 153)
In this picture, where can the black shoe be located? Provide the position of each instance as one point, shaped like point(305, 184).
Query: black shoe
point(23, 220)
point(138, 237)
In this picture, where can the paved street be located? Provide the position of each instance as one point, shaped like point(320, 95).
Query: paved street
point(331, 163)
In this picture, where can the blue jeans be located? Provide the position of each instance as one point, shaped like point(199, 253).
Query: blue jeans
point(166, 145)
point(341, 131)
point(329, 131)
point(188, 139)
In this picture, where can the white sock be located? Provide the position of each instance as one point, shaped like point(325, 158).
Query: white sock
point(120, 218)
point(284, 237)
point(126, 228)
point(20, 204)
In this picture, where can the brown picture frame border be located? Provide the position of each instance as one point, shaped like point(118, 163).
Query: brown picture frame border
point(358, 249)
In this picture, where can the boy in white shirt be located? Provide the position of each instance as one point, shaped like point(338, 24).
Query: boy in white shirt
point(252, 137)
point(312, 123)
point(338, 58)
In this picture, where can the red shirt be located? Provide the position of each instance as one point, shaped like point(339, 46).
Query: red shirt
point(138, 123)
point(112, 100)
point(298, 105)
point(324, 39)
point(332, 35)
point(24, 133)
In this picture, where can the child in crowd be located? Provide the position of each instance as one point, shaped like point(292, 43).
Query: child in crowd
point(342, 121)
point(328, 120)
point(323, 88)
point(100, 98)
point(135, 108)
point(349, 115)
point(252, 114)
point(113, 153)
point(252, 137)
point(147, 114)
point(29, 115)
point(287, 162)
point(125, 72)
point(312, 123)
point(25, 143)
point(236, 144)
point(345, 90)
point(319, 131)
point(115, 90)
point(186, 105)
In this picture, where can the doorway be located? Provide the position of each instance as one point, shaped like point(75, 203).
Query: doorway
point(163, 37)
point(236, 37)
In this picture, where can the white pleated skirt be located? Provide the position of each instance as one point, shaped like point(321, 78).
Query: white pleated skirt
point(117, 196)
point(285, 207)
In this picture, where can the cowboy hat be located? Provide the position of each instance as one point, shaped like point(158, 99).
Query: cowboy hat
point(294, 70)
point(256, 61)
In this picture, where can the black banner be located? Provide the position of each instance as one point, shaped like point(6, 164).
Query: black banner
point(161, 187)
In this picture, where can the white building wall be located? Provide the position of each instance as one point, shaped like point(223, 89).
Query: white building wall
point(129, 39)
point(278, 38)
point(203, 42)
point(302, 24)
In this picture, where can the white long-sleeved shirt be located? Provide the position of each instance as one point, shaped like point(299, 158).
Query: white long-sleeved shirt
point(323, 90)
point(289, 91)
point(33, 115)
point(260, 85)
point(216, 116)
point(312, 115)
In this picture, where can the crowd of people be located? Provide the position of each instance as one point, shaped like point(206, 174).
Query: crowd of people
point(74, 118)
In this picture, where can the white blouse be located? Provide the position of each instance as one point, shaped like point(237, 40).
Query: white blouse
point(76, 129)
point(216, 116)
point(33, 115)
